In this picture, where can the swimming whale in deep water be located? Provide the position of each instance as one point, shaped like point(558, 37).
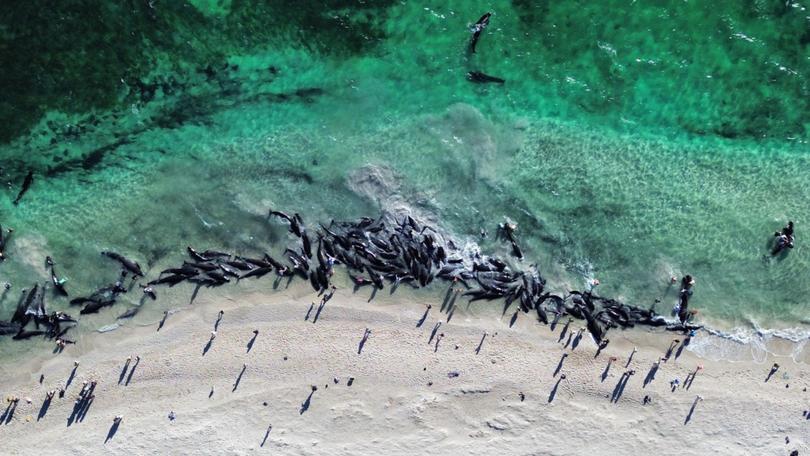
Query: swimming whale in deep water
point(477, 28)
point(481, 78)
point(29, 179)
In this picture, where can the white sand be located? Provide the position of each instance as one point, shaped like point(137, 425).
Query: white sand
point(391, 409)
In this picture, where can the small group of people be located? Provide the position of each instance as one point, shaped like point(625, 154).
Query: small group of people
point(687, 282)
point(784, 238)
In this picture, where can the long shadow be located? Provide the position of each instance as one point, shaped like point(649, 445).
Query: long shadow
point(239, 378)
point(163, 321)
point(251, 342)
point(132, 371)
point(123, 372)
point(438, 339)
point(266, 435)
point(480, 344)
point(554, 322)
point(446, 299)
point(306, 404)
point(605, 372)
point(309, 312)
point(373, 294)
point(362, 342)
point(6, 417)
point(691, 411)
point(318, 312)
point(650, 375)
point(619, 389)
point(80, 408)
point(770, 374)
point(669, 350)
point(112, 431)
point(681, 347)
point(433, 333)
point(76, 407)
point(46, 404)
point(553, 392)
point(688, 383)
point(563, 331)
point(513, 319)
point(83, 411)
point(71, 376)
point(450, 313)
point(559, 365)
point(630, 359)
point(424, 317)
point(194, 293)
point(570, 338)
point(576, 340)
point(208, 346)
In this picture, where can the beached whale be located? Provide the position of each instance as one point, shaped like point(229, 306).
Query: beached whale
point(29, 179)
point(128, 264)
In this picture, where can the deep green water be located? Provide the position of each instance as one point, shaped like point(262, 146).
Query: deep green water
point(632, 141)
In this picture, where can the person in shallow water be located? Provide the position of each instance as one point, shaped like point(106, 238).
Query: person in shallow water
point(683, 298)
point(784, 238)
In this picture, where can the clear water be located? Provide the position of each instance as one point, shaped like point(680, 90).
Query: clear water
point(631, 142)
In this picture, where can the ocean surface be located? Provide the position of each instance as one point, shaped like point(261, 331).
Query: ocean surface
point(632, 140)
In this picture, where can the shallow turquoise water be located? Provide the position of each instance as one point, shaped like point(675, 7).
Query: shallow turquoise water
point(632, 141)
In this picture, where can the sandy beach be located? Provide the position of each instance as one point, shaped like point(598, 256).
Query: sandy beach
point(405, 397)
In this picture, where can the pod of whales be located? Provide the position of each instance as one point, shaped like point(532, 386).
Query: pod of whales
point(374, 251)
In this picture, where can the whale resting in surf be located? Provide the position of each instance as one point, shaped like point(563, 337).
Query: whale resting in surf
point(128, 264)
point(29, 179)
point(482, 78)
point(8, 328)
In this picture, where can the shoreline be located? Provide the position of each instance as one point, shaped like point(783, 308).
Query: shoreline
point(477, 412)
point(760, 342)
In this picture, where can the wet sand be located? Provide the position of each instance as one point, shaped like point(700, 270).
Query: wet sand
point(405, 397)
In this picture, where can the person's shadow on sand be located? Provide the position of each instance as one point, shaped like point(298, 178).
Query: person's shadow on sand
point(691, 411)
point(306, 404)
point(553, 392)
point(112, 431)
point(132, 371)
point(251, 342)
point(239, 378)
point(266, 435)
point(208, 346)
point(44, 409)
